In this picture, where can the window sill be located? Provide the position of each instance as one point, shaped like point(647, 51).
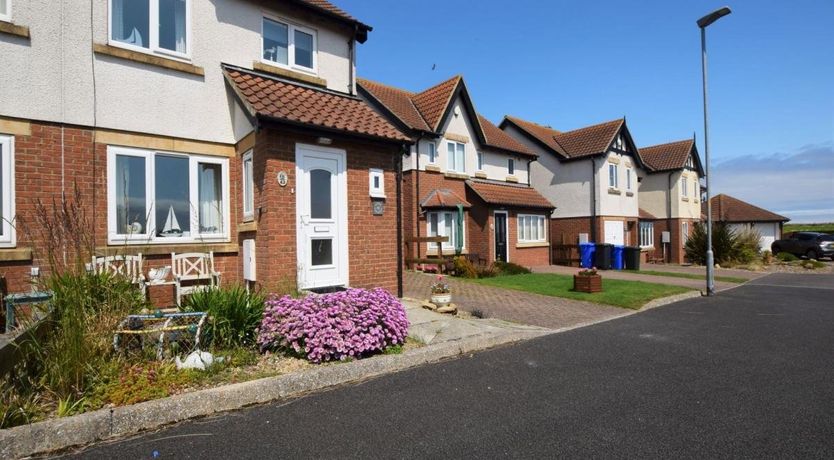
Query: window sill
point(685, 199)
point(446, 252)
point(481, 175)
point(432, 168)
point(250, 226)
point(287, 73)
point(629, 193)
point(15, 254)
point(456, 137)
point(614, 191)
point(150, 59)
point(377, 196)
point(160, 249)
point(539, 244)
point(14, 29)
point(456, 175)
point(512, 179)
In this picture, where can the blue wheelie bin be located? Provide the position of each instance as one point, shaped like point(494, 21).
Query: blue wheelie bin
point(586, 254)
point(617, 257)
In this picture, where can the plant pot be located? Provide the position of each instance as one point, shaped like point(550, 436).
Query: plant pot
point(587, 283)
point(441, 300)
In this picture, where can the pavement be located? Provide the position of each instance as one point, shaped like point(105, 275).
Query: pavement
point(631, 276)
point(510, 305)
point(746, 373)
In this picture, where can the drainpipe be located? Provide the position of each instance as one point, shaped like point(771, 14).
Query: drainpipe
point(417, 193)
point(594, 200)
point(669, 214)
point(352, 53)
point(399, 171)
point(529, 173)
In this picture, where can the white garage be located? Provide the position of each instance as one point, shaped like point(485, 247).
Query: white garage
point(741, 216)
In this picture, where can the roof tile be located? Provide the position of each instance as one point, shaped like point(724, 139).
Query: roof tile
point(669, 156)
point(443, 198)
point(286, 101)
point(520, 196)
point(582, 142)
point(728, 209)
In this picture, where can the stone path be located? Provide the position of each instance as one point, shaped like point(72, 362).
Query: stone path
point(516, 306)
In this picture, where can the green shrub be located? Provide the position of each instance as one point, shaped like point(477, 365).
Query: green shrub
point(767, 257)
point(234, 313)
point(786, 257)
point(487, 271)
point(746, 246)
point(811, 264)
point(509, 268)
point(728, 247)
point(464, 268)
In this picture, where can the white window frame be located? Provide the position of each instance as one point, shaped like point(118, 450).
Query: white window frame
point(148, 237)
point(480, 160)
point(7, 15)
point(684, 187)
point(628, 179)
point(613, 179)
point(9, 237)
point(291, 28)
point(376, 192)
point(646, 230)
point(458, 168)
point(441, 229)
point(432, 152)
point(537, 222)
point(248, 184)
point(510, 167)
point(684, 233)
point(153, 31)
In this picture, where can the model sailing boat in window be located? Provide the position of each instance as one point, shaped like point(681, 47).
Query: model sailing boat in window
point(172, 226)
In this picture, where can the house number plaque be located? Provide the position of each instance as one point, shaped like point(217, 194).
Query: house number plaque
point(283, 178)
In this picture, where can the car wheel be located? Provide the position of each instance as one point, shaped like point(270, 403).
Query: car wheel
point(775, 250)
point(811, 254)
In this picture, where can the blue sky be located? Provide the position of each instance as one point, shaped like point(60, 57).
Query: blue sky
point(571, 64)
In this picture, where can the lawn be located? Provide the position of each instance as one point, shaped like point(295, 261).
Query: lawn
point(625, 294)
point(691, 276)
point(823, 228)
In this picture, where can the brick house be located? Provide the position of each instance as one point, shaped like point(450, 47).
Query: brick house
point(462, 163)
point(670, 198)
point(593, 171)
point(196, 128)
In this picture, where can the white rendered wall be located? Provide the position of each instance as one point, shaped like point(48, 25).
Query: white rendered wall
point(612, 204)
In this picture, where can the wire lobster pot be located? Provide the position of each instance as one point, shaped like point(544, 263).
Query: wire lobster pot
point(162, 331)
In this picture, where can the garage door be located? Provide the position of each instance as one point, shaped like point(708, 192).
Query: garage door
point(769, 233)
point(614, 233)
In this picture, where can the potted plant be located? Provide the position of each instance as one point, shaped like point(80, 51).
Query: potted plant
point(587, 280)
point(441, 293)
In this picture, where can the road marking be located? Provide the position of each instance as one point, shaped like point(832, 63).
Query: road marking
point(792, 286)
point(770, 314)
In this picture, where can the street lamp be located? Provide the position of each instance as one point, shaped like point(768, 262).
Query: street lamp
point(703, 23)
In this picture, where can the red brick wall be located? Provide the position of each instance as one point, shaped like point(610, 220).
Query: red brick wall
point(675, 252)
point(526, 256)
point(372, 239)
point(567, 230)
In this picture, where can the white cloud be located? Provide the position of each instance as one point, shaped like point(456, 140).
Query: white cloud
point(799, 185)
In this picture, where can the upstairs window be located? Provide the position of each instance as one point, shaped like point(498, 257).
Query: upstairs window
point(6, 10)
point(289, 45)
point(456, 160)
point(684, 187)
point(151, 25)
point(7, 215)
point(628, 178)
point(613, 180)
point(480, 161)
point(510, 166)
point(432, 152)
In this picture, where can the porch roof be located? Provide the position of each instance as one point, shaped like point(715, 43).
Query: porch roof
point(506, 194)
point(443, 198)
point(645, 215)
point(270, 97)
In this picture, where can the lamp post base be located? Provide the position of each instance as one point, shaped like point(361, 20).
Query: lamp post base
point(710, 274)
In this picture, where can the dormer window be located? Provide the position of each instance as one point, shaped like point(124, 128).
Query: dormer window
point(510, 166)
point(619, 144)
point(160, 26)
point(289, 45)
point(689, 163)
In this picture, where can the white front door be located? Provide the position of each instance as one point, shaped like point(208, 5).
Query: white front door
point(614, 233)
point(321, 209)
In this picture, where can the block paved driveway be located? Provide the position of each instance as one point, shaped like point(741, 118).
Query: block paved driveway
point(520, 307)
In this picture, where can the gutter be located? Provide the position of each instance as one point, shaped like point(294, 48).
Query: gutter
point(594, 200)
point(417, 193)
point(399, 173)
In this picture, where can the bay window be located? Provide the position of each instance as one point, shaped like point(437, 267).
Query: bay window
point(161, 26)
point(160, 197)
point(444, 223)
point(646, 234)
point(531, 229)
point(7, 213)
point(288, 45)
point(456, 157)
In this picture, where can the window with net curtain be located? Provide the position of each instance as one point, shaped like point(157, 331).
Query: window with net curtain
point(132, 20)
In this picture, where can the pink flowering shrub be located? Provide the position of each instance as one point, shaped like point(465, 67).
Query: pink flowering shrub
point(352, 323)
